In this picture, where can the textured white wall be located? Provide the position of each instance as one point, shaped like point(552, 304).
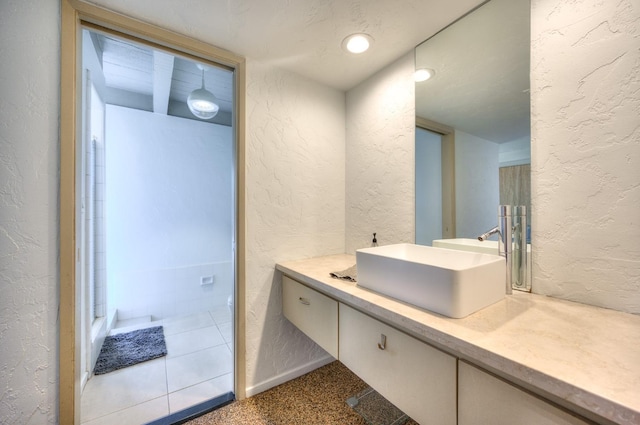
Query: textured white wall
point(295, 191)
point(380, 157)
point(295, 206)
point(29, 107)
point(571, 83)
point(585, 154)
point(585, 94)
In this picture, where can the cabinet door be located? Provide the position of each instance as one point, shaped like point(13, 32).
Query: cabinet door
point(417, 378)
point(485, 399)
point(313, 313)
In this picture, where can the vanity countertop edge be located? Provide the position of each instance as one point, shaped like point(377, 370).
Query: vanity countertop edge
point(583, 357)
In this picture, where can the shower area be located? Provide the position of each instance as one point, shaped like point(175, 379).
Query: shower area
point(168, 215)
point(157, 206)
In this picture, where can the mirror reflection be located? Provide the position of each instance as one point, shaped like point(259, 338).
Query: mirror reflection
point(473, 122)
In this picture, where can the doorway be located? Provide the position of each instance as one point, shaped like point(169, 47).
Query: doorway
point(155, 197)
point(150, 221)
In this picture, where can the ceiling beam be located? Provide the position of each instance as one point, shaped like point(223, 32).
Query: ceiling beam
point(162, 73)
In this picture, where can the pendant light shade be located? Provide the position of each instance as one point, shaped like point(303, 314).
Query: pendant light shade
point(202, 103)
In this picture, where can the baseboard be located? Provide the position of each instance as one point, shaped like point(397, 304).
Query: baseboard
point(112, 319)
point(98, 329)
point(99, 332)
point(83, 380)
point(288, 376)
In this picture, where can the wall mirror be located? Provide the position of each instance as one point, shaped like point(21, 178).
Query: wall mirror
point(473, 122)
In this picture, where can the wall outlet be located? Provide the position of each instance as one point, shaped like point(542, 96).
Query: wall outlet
point(207, 280)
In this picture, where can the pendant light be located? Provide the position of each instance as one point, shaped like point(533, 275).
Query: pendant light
point(202, 103)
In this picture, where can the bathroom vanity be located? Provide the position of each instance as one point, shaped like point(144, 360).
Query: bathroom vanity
point(527, 359)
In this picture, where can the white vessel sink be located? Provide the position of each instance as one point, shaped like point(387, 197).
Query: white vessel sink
point(449, 282)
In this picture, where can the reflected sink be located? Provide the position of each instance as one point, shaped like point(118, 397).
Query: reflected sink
point(463, 244)
point(474, 245)
point(448, 282)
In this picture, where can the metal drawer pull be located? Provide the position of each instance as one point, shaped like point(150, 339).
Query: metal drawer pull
point(383, 342)
point(304, 301)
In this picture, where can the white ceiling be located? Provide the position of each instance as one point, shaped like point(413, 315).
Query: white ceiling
point(481, 85)
point(304, 36)
point(139, 77)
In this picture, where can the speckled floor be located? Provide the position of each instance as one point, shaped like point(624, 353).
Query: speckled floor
point(318, 397)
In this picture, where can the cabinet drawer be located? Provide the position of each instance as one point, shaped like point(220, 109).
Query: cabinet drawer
point(485, 399)
point(419, 379)
point(313, 313)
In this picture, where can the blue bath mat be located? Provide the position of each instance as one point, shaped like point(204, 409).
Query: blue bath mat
point(127, 349)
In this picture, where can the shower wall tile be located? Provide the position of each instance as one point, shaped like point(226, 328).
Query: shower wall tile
point(168, 309)
point(99, 206)
point(160, 219)
point(170, 292)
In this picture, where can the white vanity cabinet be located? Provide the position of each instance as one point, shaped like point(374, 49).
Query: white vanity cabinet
point(417, 378)
point(580, 396)
point(485, 399)
point(312, 312)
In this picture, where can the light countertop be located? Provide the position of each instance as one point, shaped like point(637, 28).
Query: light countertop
point(583, 357)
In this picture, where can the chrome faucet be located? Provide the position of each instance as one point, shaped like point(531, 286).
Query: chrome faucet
point(519, 251)
point(505, 246)
point(483, 237)
point(512, 245)
point(505, 230)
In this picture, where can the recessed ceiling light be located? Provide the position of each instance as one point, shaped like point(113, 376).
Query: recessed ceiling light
point(357, 43)
point(423, 74)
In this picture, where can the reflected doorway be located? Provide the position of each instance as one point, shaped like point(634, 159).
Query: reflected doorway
point(435, 197)
point(428, 186)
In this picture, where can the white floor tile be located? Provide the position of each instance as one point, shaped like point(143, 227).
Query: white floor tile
point(226, 329)
point(221, 314)
point(194, 368)
point(124, 388)
point(199, 393)
point(176, 325)
point(200, 362)
point(191, 341)
point(136, 415)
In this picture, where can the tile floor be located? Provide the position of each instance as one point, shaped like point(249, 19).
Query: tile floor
point(198, 367)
